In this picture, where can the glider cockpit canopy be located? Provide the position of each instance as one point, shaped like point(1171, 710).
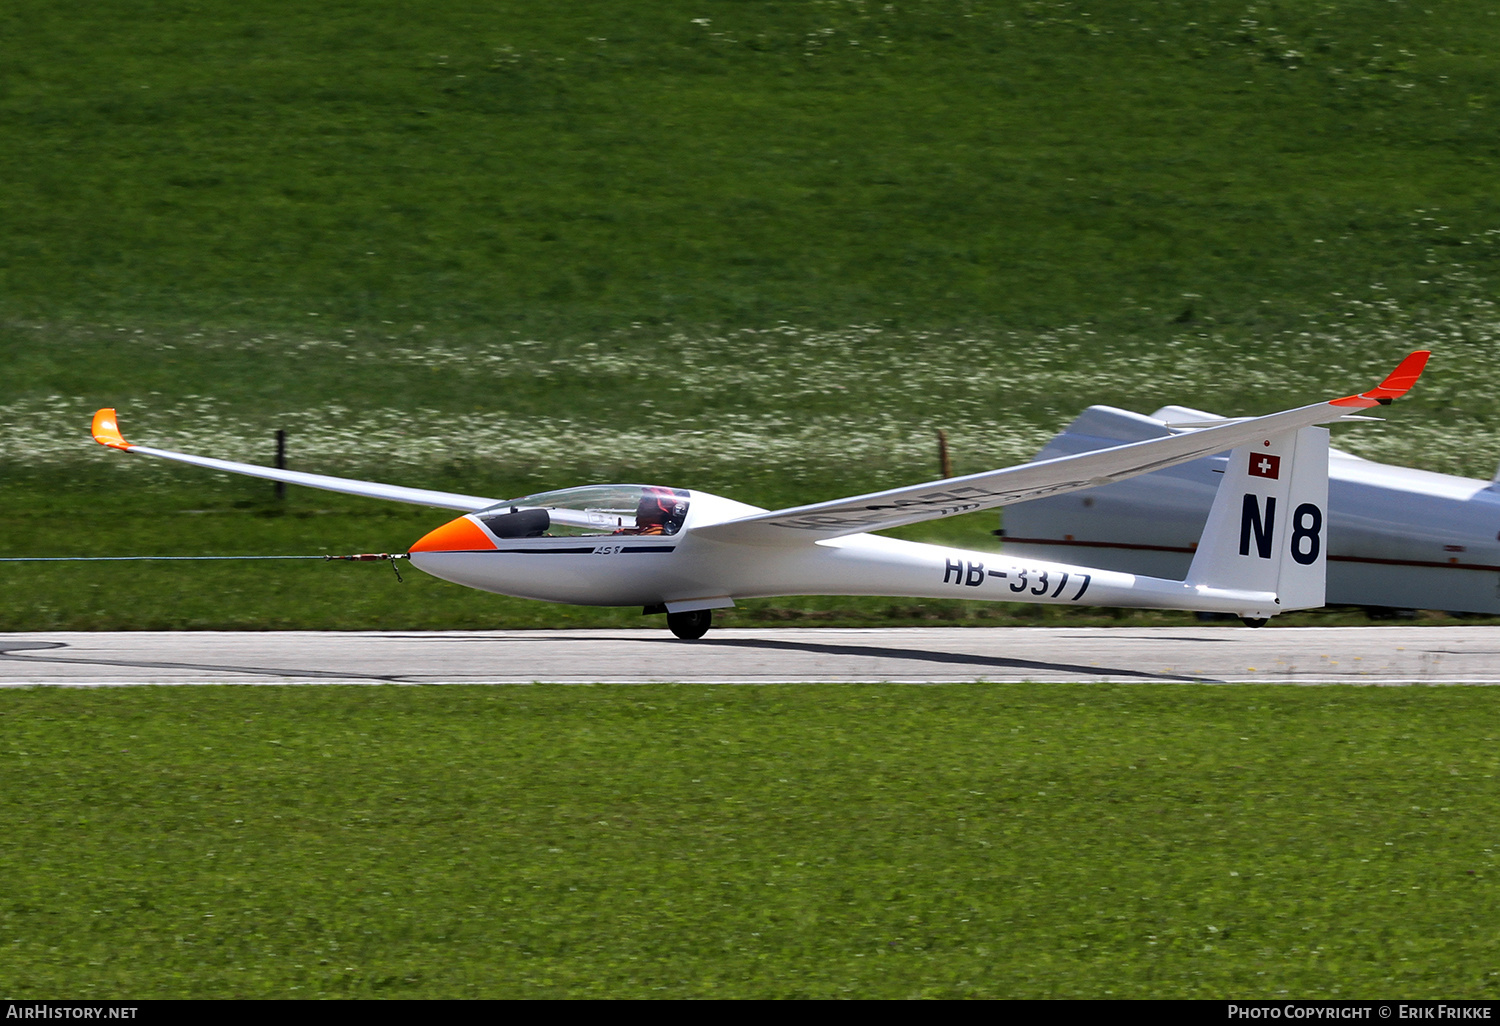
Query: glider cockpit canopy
point(590, 511)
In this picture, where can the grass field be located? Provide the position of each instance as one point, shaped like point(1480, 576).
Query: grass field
point(784, 841)
point(766, 250)
point(712, 413)
point(1028, 163)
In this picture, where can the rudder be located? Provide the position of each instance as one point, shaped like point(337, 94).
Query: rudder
point(1267, 528)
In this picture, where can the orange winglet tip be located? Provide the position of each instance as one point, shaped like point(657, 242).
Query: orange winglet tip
point(461, 535)
point(107, 431)
point(1396, 384)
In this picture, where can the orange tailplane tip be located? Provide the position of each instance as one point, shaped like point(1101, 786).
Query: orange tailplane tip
point(1396, 384)
point(107, 431)
point(461, 535)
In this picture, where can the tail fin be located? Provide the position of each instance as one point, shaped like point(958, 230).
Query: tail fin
point(1267, 528)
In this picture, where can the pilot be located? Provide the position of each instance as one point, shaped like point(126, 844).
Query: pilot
point(658, 512)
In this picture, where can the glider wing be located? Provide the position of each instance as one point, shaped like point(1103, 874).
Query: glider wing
point(107, 432)
point(935, 499)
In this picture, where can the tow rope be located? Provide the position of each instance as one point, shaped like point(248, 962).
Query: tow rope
point(358, 557)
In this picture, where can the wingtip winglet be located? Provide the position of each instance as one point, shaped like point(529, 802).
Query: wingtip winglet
point(1396, 384)
point(107, 431)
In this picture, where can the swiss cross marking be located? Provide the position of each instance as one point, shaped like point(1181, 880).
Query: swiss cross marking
point(1265, 465)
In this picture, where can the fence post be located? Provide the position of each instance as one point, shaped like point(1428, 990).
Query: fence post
point(945, 463)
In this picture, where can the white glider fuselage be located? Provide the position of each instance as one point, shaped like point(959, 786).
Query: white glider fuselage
point(687, 571)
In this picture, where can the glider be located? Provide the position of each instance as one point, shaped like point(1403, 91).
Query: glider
point(1398, 538)
point(685, 553)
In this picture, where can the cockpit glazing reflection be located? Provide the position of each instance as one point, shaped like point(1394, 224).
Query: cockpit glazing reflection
point(594, 511)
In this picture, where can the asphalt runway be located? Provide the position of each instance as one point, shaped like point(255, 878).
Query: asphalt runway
point(1306, 655)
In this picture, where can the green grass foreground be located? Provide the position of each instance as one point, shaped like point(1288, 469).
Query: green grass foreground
point(782, 841)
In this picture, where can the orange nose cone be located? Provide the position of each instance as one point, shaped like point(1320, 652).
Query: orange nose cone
point(461, 535)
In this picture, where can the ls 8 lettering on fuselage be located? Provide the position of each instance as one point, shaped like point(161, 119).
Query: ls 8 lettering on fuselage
point(968, 574)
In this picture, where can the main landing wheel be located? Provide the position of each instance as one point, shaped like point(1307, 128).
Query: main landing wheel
point(690, 626)
point(1253, 621)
